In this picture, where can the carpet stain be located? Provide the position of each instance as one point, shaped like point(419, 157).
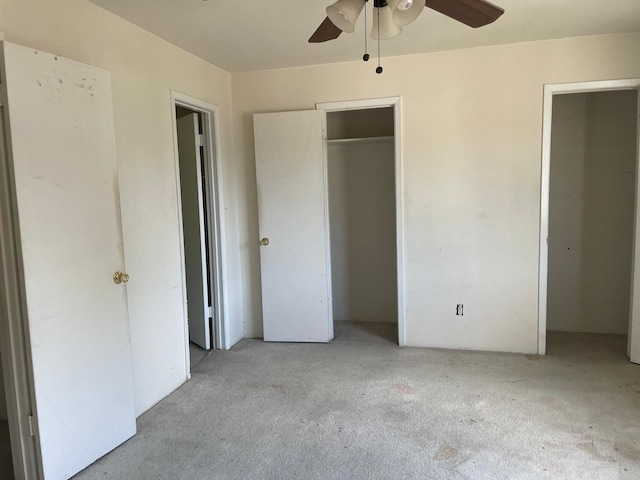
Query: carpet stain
point(403, 388)
point(396, 414)
point(446, 452)
point(627, 451)
point(551, 402)
point(591, 449)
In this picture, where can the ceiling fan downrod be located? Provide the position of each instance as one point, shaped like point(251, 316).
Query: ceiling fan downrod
point(379, 4)
point(365, 57)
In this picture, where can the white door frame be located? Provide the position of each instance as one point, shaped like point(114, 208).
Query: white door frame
point(395, 103)
point(14, 337)
point(217, 225)
point(549, 92)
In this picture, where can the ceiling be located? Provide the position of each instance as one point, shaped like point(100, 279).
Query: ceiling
point(257, 35)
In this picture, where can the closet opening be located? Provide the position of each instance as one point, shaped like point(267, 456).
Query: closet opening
point(592, 202)
point(361, 179)
point(198, 198)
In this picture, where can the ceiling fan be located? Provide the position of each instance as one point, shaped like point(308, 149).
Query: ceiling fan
point(394, 14)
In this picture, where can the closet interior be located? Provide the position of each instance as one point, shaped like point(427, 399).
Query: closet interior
point(362, 212)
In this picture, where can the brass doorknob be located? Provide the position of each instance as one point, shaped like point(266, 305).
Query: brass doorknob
point(264, 242)
point(120, 277)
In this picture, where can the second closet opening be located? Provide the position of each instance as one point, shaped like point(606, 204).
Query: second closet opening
point(362, 212)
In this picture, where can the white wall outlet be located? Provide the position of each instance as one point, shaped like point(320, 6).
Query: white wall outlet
point(460, 310)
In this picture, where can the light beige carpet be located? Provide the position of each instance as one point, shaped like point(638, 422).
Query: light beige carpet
point(363, 408)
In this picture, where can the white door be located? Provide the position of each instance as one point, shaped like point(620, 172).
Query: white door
point(293, 219)
point(62, 150)
point(195, 249)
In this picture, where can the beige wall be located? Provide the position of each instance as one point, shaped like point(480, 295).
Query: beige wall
point(471, 145)
point(143, 70)
point(591, 214)
point(363, 231)
point(472, 128)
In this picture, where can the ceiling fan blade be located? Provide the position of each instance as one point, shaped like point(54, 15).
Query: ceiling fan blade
point(325, 32)
point(475, 13)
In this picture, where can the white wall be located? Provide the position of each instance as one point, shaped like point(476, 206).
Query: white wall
point(592, 192)
point(143, 69)
point(363, 231)
point(471, 141)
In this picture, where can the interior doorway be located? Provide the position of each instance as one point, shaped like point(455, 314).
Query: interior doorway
point(362, 217)
point(590, 184)
point(294, 219)
point(364, 172)
point(198, 188)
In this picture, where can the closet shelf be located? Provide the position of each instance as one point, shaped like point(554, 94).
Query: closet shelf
point(342, 141)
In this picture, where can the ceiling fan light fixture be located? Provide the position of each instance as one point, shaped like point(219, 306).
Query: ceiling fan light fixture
point(407, 11)
point(345, 13)
point(386, 28)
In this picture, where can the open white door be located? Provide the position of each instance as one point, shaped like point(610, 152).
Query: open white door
point(195, 248)
point(294, 227)
point(61, 145)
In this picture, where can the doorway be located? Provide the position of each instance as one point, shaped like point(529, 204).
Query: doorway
point(294, 219)
point(198, 187)
point(362, 218)
point(364, 172)
point(590, 190)
point(44, 353)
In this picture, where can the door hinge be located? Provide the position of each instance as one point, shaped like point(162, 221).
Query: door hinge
point(201, 140)
point(31, 427)
point(210, 312)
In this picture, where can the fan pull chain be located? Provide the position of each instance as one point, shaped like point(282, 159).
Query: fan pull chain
point(379, 69)
point(365, 57)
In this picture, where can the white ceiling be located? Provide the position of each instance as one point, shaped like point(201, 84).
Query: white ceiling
point(256, 35)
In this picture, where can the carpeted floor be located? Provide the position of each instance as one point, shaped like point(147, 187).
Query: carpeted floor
point(363, 408)
point(6, 465)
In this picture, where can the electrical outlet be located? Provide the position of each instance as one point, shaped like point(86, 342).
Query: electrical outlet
point(460, 310)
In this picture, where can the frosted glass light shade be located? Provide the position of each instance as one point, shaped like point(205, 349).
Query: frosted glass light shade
point(407, 11)
point(387, 28)
point(344, 14)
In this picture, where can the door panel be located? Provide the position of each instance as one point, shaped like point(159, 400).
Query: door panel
point(62, 149)
point(193, 232)
point(290, 170)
